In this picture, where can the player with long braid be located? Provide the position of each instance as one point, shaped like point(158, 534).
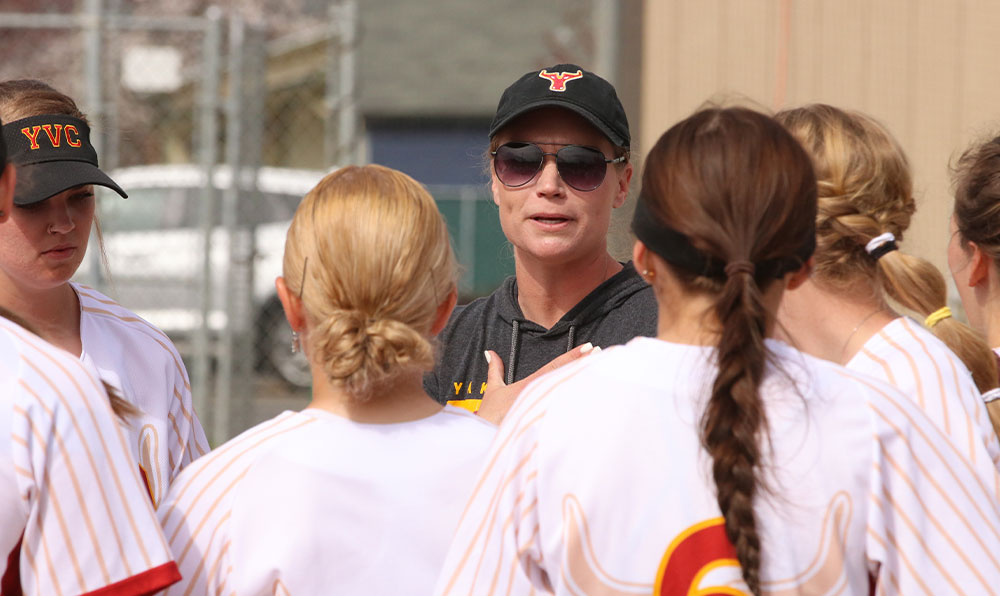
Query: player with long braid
point(713, 458)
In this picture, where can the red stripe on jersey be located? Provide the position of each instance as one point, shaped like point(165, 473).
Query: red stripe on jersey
point(147, 582)
point(10, 583)
point(145, 483)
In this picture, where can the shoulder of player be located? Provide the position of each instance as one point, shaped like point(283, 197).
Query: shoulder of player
point(466, 422)
point(117, 317)
point(219, 471)
point(903, 335)
point(571, 383)
point(46, 374)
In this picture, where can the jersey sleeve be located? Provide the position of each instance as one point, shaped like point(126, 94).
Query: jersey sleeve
point(497, 546)
point(90, 528)
point(187, 439)
point(933, 517)
point(195, 518)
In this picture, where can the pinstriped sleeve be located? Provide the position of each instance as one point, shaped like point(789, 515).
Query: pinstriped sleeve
point(90, 525)
point(497, 547)
point(933, 521)
point(187, 441)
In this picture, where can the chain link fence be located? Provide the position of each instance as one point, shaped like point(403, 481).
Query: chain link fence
point(216, 128)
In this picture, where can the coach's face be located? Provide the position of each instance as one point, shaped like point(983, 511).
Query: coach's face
point(43, 244)
point(547, 220)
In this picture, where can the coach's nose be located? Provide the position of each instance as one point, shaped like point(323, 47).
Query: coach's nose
point(549, 182)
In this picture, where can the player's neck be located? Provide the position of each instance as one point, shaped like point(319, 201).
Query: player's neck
point(829, 324)
point(402, 399)
point(546, 291)
point(52, 313)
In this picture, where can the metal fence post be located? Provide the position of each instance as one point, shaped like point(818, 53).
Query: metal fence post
point(207, 140)
point(347, 129)
point(230, 197)
point(93, 75)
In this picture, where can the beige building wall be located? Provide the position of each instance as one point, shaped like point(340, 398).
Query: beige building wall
point(925, 68)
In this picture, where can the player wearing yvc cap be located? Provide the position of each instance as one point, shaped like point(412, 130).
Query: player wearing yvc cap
point(559, 157)
point(740, 465)
point(74, 518)
point(45, 240)
point(351, 495)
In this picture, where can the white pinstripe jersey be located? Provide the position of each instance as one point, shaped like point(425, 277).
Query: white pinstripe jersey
point(313, 503)
point(597, 483)
point(141, 362)
point(74, 515)
point(911, 358)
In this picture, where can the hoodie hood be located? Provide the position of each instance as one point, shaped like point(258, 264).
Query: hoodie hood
point(605, 298)
point(620, 308)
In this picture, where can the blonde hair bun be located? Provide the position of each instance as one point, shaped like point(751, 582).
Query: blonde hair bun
point(358, 351)
point(369, 253)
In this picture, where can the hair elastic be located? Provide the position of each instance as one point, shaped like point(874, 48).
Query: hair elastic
point(937, 316)
point(991, 395)
point(881, 245)
point(735, 267)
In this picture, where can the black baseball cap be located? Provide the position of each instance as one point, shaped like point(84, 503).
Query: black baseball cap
point(566, 86)
point(52, 153)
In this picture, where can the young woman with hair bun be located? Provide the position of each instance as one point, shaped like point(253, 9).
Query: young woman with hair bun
point(714, 459)
point(974, 246)
point(865, 205)
point(356, 493)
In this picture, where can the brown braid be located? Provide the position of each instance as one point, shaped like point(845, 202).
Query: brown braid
point(735, 416)
point(742, 191)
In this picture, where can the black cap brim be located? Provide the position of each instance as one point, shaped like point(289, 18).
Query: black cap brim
point(559, 103)
point(39, 181)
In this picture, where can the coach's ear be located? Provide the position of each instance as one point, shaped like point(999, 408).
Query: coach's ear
point(291, 304)
point(7, 177)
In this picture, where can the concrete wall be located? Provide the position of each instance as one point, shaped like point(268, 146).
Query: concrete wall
point(925, 68)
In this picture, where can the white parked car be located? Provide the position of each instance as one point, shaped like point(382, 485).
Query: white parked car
point(153, 241)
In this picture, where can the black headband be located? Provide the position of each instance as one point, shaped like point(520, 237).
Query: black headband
point(676, 249)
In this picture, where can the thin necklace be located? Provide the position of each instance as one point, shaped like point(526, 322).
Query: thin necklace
point(843, 350)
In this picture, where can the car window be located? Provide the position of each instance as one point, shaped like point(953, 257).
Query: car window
point(169, 208)
point(144, 209)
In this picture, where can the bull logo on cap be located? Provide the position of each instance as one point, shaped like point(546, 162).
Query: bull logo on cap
point(558, 80)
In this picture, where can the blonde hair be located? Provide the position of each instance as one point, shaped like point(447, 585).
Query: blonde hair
point(865, 190)
point(369, 254)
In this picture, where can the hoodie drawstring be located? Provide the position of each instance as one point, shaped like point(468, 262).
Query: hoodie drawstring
point(515, 333)
point(515, 345)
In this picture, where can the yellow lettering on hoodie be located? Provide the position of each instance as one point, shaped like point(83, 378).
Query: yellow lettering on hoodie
point(458, 387)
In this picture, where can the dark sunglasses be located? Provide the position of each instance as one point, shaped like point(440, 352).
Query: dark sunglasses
point(583, 168)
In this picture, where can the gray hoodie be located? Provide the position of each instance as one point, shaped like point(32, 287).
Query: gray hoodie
point(614, 312)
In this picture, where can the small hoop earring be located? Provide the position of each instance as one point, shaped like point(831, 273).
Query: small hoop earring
point(296, 344)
